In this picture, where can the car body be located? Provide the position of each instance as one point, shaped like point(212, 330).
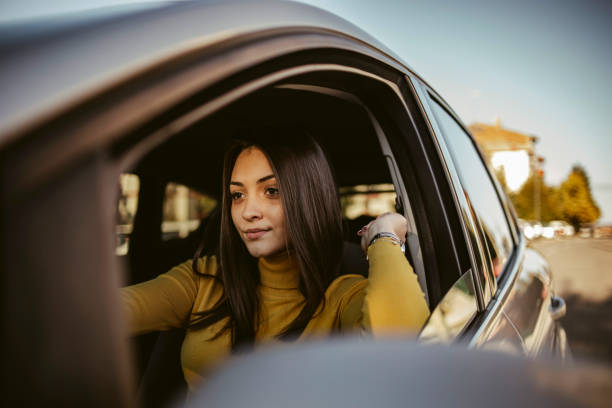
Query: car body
point(397, 373)
point(155, 93)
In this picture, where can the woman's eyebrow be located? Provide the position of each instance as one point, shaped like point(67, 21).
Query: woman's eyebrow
point(261, 180)
point(268, 177)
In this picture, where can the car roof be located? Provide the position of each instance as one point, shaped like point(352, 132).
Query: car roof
point(47, 66)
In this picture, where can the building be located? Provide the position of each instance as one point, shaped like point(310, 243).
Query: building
point(513, 151)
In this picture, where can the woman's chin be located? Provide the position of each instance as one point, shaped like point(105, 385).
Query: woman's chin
point(260, 251)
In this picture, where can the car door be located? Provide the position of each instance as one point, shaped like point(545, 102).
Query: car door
point(355, 109)
point(514, 281)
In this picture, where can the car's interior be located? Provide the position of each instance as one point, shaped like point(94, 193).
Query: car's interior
point(166, 199)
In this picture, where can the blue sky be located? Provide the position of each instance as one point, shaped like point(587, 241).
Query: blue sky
point(543, 67)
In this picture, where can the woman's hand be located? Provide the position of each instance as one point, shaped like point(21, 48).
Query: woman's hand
point(388, 222)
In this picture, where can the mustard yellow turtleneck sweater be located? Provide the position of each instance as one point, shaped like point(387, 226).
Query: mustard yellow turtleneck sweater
point(389, 301)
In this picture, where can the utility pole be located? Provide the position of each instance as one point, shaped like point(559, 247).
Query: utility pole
point(536, 197)
point(537, 188)
point(539, 179)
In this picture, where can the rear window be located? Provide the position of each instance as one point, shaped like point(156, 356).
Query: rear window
point(369, 200)
point(127, 205)
point(184, 209)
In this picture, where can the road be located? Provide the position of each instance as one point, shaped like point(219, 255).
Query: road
point(582, 271)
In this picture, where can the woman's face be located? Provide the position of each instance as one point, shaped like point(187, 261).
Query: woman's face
point(257, 211)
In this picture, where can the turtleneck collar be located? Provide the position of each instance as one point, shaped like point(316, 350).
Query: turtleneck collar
point(279, 271)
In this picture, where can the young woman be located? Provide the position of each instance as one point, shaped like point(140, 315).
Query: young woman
point(270, 269)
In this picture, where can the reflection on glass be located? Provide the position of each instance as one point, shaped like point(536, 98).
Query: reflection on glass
point(453, 313)
point(480, 190)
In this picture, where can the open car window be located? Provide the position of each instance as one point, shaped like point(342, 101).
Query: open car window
point(169, 225)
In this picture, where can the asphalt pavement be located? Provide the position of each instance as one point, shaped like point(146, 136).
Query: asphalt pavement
point(582, 273)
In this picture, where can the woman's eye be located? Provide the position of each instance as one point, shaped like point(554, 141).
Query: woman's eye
point(236, 195)
point(272, 191)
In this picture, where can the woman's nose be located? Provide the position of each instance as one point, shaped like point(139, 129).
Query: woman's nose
point(252, 209)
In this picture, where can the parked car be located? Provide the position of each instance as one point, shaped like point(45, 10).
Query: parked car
point(538, 228)
point(557, 229)
point(152, 95)
point(561, 228)
point(526, 228)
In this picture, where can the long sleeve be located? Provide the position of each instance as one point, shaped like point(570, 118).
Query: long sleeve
point(390, 300)
point(161, 303)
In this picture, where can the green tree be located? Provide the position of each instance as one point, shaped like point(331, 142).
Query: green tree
point(577, 205)
point(524, 200)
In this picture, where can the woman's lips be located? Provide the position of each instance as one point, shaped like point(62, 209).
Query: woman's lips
point(255, 233)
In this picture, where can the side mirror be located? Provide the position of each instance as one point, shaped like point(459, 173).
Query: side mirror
point(557, 307)
point(454, 312)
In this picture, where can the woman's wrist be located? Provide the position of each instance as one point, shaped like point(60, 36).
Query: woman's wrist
point(390, 236)
point(388, 226)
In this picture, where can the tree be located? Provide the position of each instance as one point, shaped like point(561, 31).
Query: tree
point(577, 205)
point(571, 201)
point(524, 200)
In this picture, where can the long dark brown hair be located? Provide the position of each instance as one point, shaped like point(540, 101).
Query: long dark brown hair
point(314, 233)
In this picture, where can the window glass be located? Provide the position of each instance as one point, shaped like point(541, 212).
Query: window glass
point(367, 200)
point(129, 186)
point(480, 190)
point(362, 203)
point(184, 209)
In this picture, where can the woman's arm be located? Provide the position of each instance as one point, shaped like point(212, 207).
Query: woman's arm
point(393, 301)
point(161, 303)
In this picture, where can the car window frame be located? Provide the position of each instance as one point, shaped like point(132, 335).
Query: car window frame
point(501, 197)
point(382, 137)
point(422, 170)
point(469, 225)
point(492, 309)
point(489, 313)
point(403, 144)
point(481, 233)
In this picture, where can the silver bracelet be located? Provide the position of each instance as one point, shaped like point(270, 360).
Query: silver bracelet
point(394, 238)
